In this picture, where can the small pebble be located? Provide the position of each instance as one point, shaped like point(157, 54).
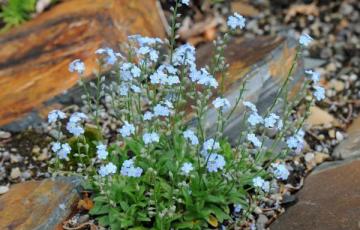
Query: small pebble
point(4, 135)
point(15, 173)
point(339, 136)
point(4, 189)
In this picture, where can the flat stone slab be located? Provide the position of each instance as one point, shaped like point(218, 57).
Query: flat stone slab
point(330, 200)
point(40, 205)
point(350, 147)
point(34, 57)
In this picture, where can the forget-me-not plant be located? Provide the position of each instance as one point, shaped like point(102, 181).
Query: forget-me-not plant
point(160, 171)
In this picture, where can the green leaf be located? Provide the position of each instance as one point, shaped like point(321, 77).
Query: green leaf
point(99, 209)
point(104, 221)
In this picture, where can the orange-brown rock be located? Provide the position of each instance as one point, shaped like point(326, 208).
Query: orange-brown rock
point(38, 204)
point(34, 57)
point(330, 200)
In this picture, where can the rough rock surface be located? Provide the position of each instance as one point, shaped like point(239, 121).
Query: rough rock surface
point(330, 200)
point(264, 71)
point(35, 56)
point(40, 205)
point(350, 147)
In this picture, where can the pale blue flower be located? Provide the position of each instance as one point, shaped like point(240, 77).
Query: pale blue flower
point(235, 21)
point(149, 138)
point(297, 140)
point(209, 146)
point(148, 115)
point(55, 115)
point(215, 162)
point(184, 55)
point(270, 121)
point(101, 151)
point(75, 128)
point(78, 117)
point(61, 150)
point(319, 93)
point(258, 182)
point(128, 169)
point(315, 76)
point(190, 135)
point(77, 66)
point(237, 208)
point(123, 89)
point(127, 129)
point(162, 110)
point(135, 89)
point(221, 103)
point(250, 105)
point(144, 41)
point(56, 146)
point(202, 77)
point(107, 169)
point(110, 55)
point(254, 140)
point(255, 119)
point(148, 51)
point(186, 168)
point(73, 125)
point(129, 71)
point(305, 39)
point(292, 142)
point(160, 77)
point(167, 68)
point(280, 171)
point(185, 2)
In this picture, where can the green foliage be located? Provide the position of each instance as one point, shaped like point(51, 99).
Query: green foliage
point(83, 148)
point(16, 12)
point(162, 172)
point(186, 202)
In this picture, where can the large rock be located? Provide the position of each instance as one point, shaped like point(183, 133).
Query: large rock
point(350, 147)
point(330, 200)
point(34, 57)
point(38, 205)
point(264, 62)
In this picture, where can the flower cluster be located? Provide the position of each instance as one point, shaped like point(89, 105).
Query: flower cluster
point(186, 168)
point(190, 135)
point(254, 140)
point(77, 66)
point(56, 115)
point(202, 77)
point(280, 171)
point(110, 56)
point(149, 138)
point(101, 151)
point(155, 170)
point(128, 169)
point(163, 109)
point(74, 125)
point(61, 150)
point(185, 55)
point(261, 183)
point(127, 129)
point(221, 103)
point(236, 21)
point(296, 141)
point(107, 169)
point(165, 75)
point(215, 162)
